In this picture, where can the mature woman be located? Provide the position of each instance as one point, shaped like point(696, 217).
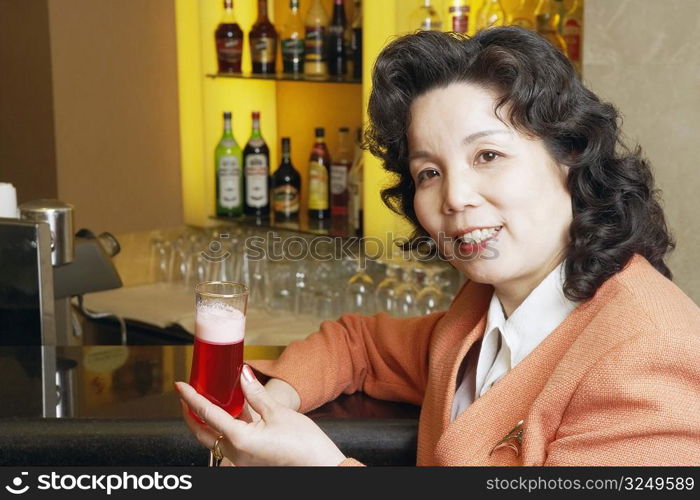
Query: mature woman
point(568, 344)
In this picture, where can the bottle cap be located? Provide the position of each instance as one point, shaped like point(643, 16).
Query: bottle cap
point(344, 129)
point(320, 132)
point(285, 142)
point(227, 115)
point(256, 115)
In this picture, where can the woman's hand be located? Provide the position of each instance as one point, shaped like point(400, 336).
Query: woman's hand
point(281, 392)
point(281, 436)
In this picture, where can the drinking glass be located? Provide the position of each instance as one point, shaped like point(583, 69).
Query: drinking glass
point(282, 284)
point(179, 261)
point(430, 297)
point(324, 293)
point(158, 259)
point(303, 295)
point(385, 294)
point(220, 312)
point(359, 293)
point(406, 293)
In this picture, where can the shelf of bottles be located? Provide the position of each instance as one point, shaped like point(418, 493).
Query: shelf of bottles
point(314, 47)
point(323, 196)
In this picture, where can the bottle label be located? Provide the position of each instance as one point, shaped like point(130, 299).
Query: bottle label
point(285, 199)
point(229, 49)
point(293, 50)
point(256, 181)
point(572, 37)
point(429, 24)
point(339, 179)
point(460, 18)
point(318, 186)
point(229, 182)
point(315, 44)
point(336, 50)
point(263, 50)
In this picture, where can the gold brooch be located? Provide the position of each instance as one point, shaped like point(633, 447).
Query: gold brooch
point(512, 440)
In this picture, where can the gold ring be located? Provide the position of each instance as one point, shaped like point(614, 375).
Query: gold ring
point(216, 450)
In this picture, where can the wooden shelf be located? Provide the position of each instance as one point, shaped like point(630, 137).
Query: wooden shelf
point(303, 225)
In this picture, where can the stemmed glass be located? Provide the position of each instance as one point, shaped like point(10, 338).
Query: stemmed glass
point(324, 294)
point(359, 292)
point(430, 297)
point(217, 360)
point(281, 286)
point(158, 259)
point(385, 294)
point(406, 293)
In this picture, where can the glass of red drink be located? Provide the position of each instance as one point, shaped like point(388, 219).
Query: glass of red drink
point(218, 344)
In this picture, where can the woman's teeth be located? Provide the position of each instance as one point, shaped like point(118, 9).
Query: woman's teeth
point(479, 235)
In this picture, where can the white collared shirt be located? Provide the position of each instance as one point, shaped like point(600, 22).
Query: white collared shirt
point(507, 342)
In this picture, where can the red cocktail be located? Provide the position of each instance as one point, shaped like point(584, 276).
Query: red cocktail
point(218, 346)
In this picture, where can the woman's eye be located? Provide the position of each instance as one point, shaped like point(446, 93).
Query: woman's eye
point(487, 156)
point(426, 174)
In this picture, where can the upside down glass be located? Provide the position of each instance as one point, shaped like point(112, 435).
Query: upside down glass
point(218, 345)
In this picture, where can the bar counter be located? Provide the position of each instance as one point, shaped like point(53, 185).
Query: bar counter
point(116, 405)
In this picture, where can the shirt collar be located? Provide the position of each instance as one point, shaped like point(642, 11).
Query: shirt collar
point(538, 316)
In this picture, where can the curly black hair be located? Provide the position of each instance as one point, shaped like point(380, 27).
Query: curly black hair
point(617, 211)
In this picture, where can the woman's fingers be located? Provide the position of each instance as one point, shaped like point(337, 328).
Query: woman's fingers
point(248, 415)
point(256, 395)
point(216, 418)
point(202, 433)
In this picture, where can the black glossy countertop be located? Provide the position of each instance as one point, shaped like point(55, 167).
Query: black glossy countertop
point(116, 405)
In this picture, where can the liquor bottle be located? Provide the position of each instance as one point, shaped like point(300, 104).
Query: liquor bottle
point(336, 40)
point(256, 161)
point(229, 41)
point(293, 41)
point(315, 53)
point(339, 176)
point(229, 185)
point(286, 187)
point(426, 17)
point(263, 42)
point(353, 43)
point(355, 212)
point(547, 22)
point(490, 14)
point(459, 16)
point(523, 15)
point(572, 32)
point(319, 178)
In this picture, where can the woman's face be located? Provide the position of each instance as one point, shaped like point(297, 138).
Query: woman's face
point(473, 171)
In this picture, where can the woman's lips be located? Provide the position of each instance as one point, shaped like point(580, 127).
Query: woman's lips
point(470, 249)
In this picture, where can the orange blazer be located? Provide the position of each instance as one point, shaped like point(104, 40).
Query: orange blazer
point(617, 383)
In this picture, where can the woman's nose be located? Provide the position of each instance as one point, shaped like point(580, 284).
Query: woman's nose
point(459, 192)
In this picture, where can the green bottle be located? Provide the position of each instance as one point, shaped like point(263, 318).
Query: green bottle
point(229, 178)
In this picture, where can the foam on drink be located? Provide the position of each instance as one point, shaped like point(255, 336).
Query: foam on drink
point(219, 324)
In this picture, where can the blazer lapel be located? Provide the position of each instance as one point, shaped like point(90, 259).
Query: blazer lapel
point(456, 333)
point(493, 419)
